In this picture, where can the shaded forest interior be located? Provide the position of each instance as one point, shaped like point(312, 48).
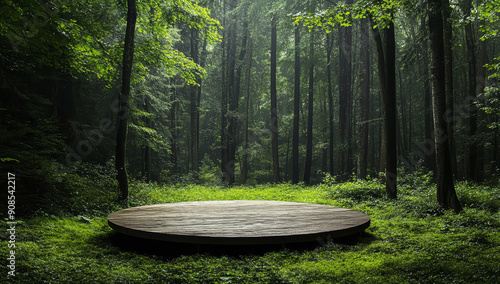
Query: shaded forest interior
point(250, 92)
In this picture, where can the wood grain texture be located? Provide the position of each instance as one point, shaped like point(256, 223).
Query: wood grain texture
point(238, 222)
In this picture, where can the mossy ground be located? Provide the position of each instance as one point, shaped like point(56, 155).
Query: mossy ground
point(410, 240)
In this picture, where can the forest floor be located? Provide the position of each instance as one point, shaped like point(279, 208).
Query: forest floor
point(410, 240)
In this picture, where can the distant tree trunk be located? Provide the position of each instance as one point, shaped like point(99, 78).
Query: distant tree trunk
point(274, 110)
point(448, 58)
point(329, 47)
point(147, 149)
point(383, 134)
point(446, 195)
point(173, 129)
point(387, 77)
point(345, 95)
point(308, 165)
point(471, 59)
point(223, 130)
point(391, 113)
point(430, 154)
point(124, 100)
point(232, 96)
point(482, 59)
point(296, 110)
point(402, 123)
point(203, 60)
point(194, 110)
point(244, 160)
point(287, 155)
point(365, 96)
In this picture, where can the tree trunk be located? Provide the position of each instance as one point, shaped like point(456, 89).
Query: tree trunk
point(232, 96)
point(224, 102)
point(329, 47)
point(173, 127)
point(308, 164)
point(124, 100)
point(274, 110)
point(387, 77)
point(194, 108)
point(391, 113)
point(448, 59)
point(482, 60)
point(446, 195)
point(147, 149)
point(345, 94)
point(379, 45)
point(471, 59)
point(364, 102)
point(296, 110)
point(429, 150)
point(244, 159)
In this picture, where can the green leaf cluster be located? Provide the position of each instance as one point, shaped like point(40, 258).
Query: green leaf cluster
point(381, 12)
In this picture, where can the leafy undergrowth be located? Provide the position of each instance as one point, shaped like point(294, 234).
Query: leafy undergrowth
point(410, 240)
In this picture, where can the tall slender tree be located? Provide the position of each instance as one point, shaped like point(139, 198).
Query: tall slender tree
point(223, 106)
point(246, 105)
point(274, 109)
point(365, 96)
point(147, 148)
point(386, 61)
point(446, 195)
point(296, 109)
point(232, 94)
point(471, 59)
point(194, 108)
point(124, 100)
point(448, 57)
point(430, 157)
point(345, 95)
point(310, 112)
point(329, 47)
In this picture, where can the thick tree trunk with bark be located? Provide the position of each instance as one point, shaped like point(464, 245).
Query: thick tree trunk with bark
point(124, 100)
point(387, 77)
point(296, 110)
point(448, 59)
point(274, 110)
point(446, 195)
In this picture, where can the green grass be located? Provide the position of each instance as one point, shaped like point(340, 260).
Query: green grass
point(410, 240)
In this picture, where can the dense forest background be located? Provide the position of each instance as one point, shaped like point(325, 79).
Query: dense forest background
point(248, 92)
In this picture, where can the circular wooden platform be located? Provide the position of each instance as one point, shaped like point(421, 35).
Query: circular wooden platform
point(238, 222)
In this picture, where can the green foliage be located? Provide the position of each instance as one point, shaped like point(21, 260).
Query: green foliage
point(89, 189)
point(381, 12)
point(488, 13)
point(489, 101)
